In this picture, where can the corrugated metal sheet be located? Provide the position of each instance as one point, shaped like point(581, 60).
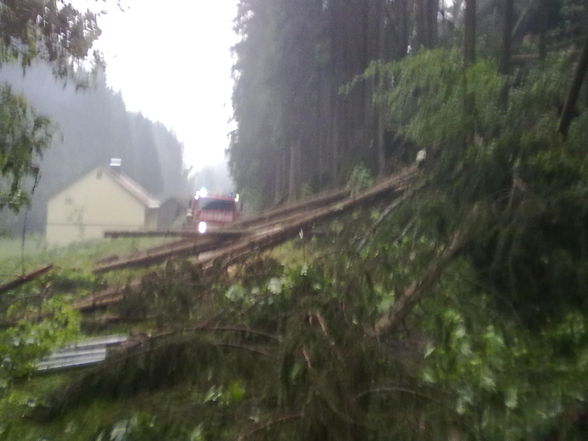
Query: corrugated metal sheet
point(84, 353)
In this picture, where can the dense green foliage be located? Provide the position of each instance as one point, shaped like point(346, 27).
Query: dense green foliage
point(458, 315)
point(24, 136)
point(52, 31)
point(496, 349)
point(38, 316)
point(297, 133)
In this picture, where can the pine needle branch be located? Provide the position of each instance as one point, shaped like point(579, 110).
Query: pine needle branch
point(411, 295)
point(273, 422)
point(393, 389)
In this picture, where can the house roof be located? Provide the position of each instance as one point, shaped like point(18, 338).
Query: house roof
point(133, 188)
point(125, 182)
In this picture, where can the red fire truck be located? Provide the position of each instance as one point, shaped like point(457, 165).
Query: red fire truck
point(206, 210)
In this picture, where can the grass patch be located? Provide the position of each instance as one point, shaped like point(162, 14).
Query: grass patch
point(72, 274)
point(16, 259)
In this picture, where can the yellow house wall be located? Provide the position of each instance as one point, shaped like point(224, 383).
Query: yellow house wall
point(90, 206)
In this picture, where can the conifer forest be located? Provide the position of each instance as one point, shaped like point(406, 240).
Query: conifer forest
point(442, 296)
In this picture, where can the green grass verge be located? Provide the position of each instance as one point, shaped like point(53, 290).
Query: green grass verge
point(16, 259)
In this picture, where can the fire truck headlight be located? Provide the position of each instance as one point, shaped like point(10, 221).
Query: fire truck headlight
point(202, 227)
point(202, 193)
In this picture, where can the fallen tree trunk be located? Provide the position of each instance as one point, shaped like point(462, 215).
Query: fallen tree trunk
point(173, 233)
point(280, 213)
point(25, 278)
point(116, 258)
point(161, 254)
point(105, 298)
point(281, 233)
point(266, 238)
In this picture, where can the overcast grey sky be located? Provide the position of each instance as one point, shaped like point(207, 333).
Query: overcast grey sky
point(171, 60)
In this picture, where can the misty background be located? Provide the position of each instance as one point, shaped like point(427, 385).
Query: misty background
point(92, 125)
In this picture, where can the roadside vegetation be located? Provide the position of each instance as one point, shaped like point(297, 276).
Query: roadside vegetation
point(456, 311)
point(34, 251)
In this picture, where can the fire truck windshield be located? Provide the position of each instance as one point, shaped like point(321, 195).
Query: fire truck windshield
point(216, 204)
